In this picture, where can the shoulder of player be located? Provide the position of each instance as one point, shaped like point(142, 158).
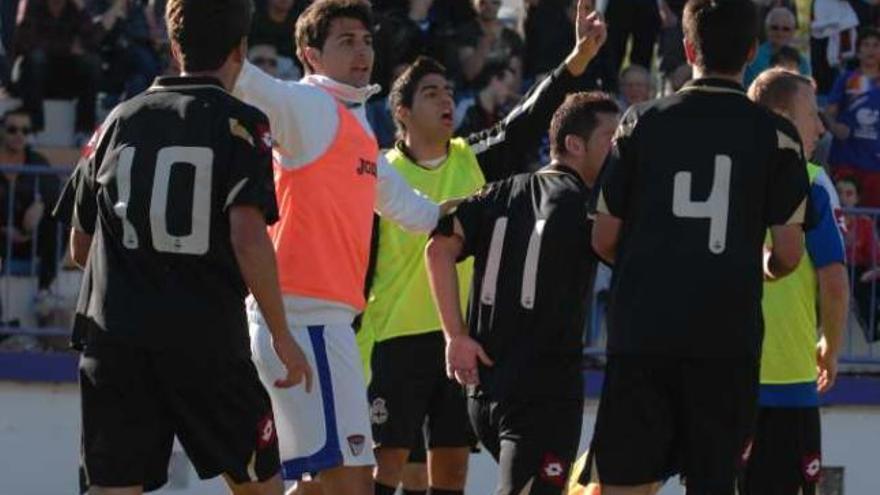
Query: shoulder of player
point(784, 134)
point(641, 114)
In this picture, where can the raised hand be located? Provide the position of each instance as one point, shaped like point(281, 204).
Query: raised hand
point(590, 34)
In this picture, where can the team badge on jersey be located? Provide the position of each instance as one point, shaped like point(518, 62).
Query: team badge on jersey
point(264, 137)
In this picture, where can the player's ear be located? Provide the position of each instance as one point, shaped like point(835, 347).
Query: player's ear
point(313, 58)
point(402, 114)
point(575, 145)
point(690, 52)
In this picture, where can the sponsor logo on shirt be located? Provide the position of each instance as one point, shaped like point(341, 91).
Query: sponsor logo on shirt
point(367, 167)
point(553, 470)
point(356, 443)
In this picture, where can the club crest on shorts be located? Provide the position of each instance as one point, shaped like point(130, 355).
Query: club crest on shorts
point(266, 432)
point(812, 467)
point(378, 412)
point(553, 470)
point(356, 443)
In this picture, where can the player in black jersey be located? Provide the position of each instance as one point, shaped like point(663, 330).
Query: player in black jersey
point(171, 201)
point(533, 271)
point(696, 180)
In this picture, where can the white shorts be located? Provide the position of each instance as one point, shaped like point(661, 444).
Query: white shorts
point(330, 426)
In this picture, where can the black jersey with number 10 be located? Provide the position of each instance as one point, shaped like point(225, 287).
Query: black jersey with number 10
point(697, 178)
point(154, 189)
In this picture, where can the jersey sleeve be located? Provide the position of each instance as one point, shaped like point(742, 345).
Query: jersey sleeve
point(470, 216)
point(250, 179)
point(616, 186)
point(397, 201)
point(824, 241)
point(81, 188)
point(788, 183)
point(837, 95)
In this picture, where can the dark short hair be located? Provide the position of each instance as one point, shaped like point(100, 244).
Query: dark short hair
point(785, 54)
point(578, 115)
point(776, 88)
point(852, 179)
point(494, 67)
point(403, 91)
point(206, 32)
point(20, 111)
point(722, 32)
point(867, 33)
point(313, 26)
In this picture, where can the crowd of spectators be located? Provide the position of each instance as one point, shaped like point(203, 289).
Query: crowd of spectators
point(494, 50)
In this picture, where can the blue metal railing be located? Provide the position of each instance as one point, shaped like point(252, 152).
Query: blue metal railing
point(861, 343)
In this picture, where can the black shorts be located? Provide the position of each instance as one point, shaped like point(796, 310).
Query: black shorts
point(787, 453)
point(134, 402)
point(535, 443)
point(410, 394)
point(662, 416)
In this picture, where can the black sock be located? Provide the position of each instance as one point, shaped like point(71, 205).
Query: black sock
point(381, 489)
point(415, 492)
point(438, 491)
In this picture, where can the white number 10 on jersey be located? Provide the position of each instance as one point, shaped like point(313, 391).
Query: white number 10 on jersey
point(716, 206)
point(198, 240)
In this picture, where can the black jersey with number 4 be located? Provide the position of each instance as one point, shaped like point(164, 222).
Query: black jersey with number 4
point(533, 268)
point(697, 178)
point(154, 188)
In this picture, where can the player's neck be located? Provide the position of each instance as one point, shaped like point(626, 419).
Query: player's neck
point(225, 75)
point(870, 70)
point(587, 173)
point(422, 149)
point(705, 74)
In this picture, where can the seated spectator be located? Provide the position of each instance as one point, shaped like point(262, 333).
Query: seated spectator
point(485, 38)
point(127, 46)
point(266, 58)
point(54, 46)
point(862, 254)
point(780, 24)
point(854, 120)
point(495, 87)
point(635, 86)
point(765, 6)
point(273, 24)
point(27, 222)
point(787, 58)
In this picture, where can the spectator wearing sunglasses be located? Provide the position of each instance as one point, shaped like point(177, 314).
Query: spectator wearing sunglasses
point(780, 25)
point(22, 218)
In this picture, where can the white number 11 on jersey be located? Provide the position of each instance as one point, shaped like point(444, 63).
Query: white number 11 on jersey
point(716, 206)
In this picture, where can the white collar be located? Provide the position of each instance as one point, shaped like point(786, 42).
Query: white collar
point(341, 91)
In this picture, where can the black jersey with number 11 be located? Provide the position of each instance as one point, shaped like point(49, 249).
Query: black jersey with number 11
point(154, 189)
point(533, 270)
point(697, 178)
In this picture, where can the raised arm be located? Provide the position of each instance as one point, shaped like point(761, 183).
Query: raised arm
point(397, 201)
point(303, 118)
point(502, 150)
